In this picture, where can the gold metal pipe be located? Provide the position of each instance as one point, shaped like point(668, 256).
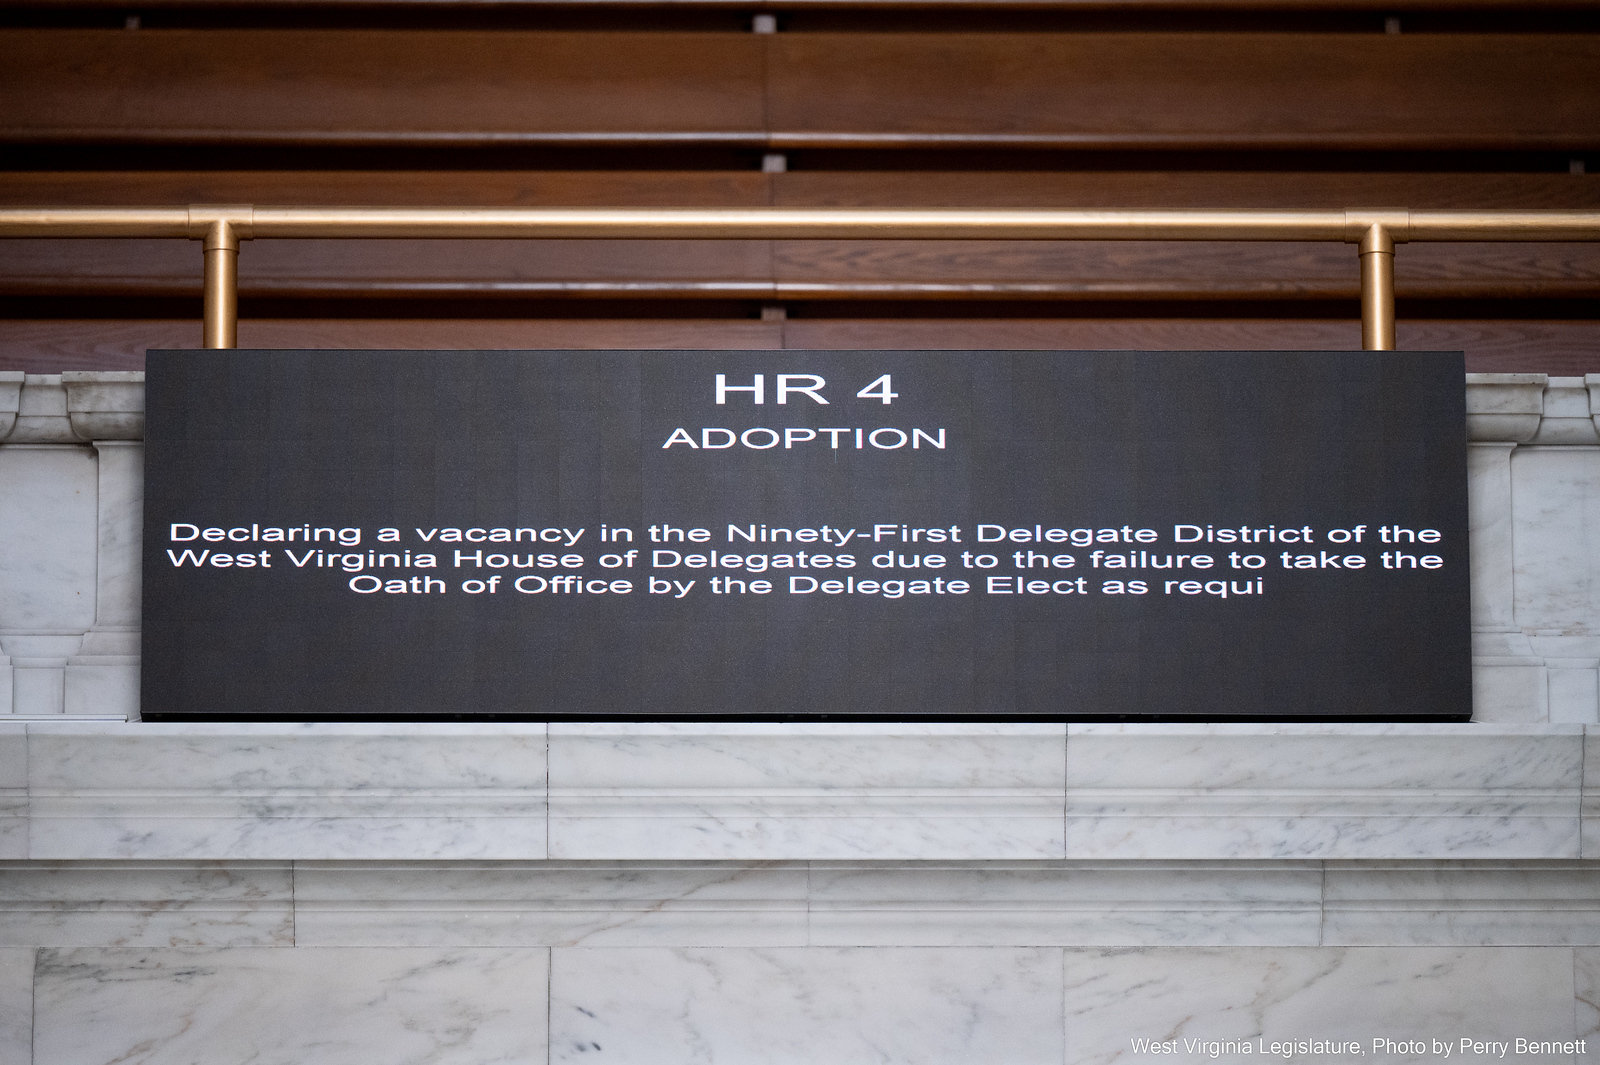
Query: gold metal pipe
point(94, 222)
point(222, 226)
point(1505, 226)
point(1377, 289)
point(221, 323)
point(800, 224)
point(469, 223)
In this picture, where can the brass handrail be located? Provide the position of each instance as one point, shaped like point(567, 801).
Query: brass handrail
point(221, 227)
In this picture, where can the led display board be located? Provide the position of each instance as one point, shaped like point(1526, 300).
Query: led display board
point(892, 535)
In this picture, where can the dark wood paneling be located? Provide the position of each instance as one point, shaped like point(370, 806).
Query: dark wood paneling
point(799, 270)
point(1093, 189)
point(1158, 90)
point(992, 189)
point(1187, 90)
point(50, 346)
point(39, 346)
point(1491, 346)
point(1269, 91)
point(379, 87)
point(1172, 270)
point(392, 188)
point(394, 267)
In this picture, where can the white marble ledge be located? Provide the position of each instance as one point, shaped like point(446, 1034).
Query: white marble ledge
point(1324, 791)
point(262, 791)
point(826, 791)
point(800, 791)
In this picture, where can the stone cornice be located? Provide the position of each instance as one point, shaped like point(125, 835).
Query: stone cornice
point(697, 792)
point(81, 406)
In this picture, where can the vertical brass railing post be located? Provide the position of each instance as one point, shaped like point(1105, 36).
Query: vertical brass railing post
point(1377, 289)
point(221, 329)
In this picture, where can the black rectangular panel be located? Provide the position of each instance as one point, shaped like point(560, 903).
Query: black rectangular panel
point(951, 534)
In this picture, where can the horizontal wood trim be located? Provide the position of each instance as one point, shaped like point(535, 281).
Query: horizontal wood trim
point(379, 87)
point(1308, 91)
point(49, 346)
point(1491, 346)
point(1175, 90)
point(397, 188)
point(797, 270)
point(1092, 189)
point(1066, 190)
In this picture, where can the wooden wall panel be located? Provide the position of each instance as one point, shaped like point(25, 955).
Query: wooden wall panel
point(409, 116)
point(1187, 90)
point(1087, 90)
point(799, 270)
point(1065, 189)
point(398, 87)
point(384, 268)
point(78, 344)
point(1091, 189)
point(1554, 347)
point(804, 269)
point(393, 188)
point(1172, 270)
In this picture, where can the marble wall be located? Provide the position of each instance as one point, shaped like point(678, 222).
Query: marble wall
point(323, 894)
point(1534, 467)
point(230, 977)
point(71, 503)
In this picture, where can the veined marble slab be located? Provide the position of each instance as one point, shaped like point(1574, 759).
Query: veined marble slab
point(550, 904)
point(13, 790)
point(141, 903)
point(16, 1007)
point(227, 791)
point(896, 903)
point(1051, 903)
point(1323, 791)
point(753, 793)
point(1554, 510)
point(1462, 903)
point(786, 791)
point(1586, 977)
point(1591, 792)
point(1326, 993)
point(802, 1006)
point(290, 1007)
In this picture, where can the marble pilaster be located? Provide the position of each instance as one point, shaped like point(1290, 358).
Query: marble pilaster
point(103, 677)
point(1509, 681)
point(47, 561)
point(1557, 551)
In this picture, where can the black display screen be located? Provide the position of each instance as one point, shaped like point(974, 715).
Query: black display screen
point(893, 535)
